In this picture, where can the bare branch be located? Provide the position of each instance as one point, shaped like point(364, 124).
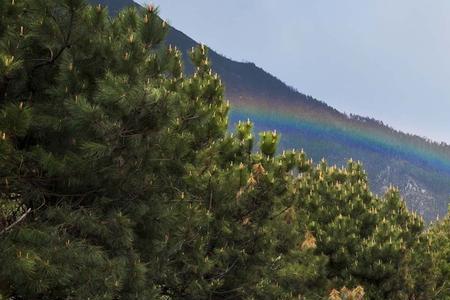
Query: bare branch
point(20, 219)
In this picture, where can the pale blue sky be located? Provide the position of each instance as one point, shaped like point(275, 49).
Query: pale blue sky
point(387, 59)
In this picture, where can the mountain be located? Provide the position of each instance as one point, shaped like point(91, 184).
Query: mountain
point(419, 167)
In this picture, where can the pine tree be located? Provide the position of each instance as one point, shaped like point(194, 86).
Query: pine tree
point(369, 241)
point(97, 124)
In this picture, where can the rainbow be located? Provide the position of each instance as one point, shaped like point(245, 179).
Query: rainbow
point(299, 128)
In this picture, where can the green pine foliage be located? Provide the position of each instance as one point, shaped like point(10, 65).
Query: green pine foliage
point(119, 180)
point(440, 249)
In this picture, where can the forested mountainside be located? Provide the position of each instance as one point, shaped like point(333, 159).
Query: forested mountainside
point(418, 167)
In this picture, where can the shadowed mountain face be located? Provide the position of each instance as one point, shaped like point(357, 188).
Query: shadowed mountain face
point(418, 167)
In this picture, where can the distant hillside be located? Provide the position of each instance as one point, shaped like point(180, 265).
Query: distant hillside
point(419, 167)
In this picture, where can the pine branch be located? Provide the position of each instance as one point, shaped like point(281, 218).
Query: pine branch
point(3, 87)
point(53, 58)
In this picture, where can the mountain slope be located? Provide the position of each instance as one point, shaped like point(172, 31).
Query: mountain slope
point(420, 168)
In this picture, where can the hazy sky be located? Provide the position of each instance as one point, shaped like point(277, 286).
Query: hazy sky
point(387, 59)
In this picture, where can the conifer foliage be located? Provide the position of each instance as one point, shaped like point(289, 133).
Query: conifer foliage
point(440, 249)
point(118, 179)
